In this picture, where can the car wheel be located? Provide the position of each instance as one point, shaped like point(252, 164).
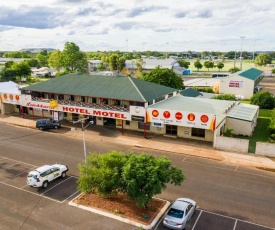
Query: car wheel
point(41, 128)
point(63, 174)
point(56, 127)
point(45, 184)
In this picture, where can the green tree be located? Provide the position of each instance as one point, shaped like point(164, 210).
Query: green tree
point(33, 62)
point(208, 65)
point(273, 71)
point(228, 97)
point(22, 69)
point(234, 70)
point(73, 59)
point(263, 59)
point(139, 176)
point(113, 60)
point(139, 64)
point(42, 57)
point(121, 63)
point(145, 176)
point(9, 64)
point(184, 64)
point(102, 174)
point(8, 75)
point(55, 60)
point(165, 76)
point(220, 65)
point(198, 65)
point(264, 99)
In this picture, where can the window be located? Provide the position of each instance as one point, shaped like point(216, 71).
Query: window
point(127, 122)
point(94, 100)
point(198, 132)
point(171, 129)
point(83, 99)
point(141, 125)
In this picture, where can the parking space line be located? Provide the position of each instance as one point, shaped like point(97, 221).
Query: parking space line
point(70, 196)
point(197, 220)
point(236, 219)
point(255, 174)
point(55, 186)
point(6, 158)
point(236, 168)
point(185, 158)
point(235, 224)
point(30, 192)
point(8, 167)
point(19, 174)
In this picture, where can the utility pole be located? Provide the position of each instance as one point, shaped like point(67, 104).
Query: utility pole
point(82, 121)
point(242, 38)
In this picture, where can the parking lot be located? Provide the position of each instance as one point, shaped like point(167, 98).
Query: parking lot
point(14, 174)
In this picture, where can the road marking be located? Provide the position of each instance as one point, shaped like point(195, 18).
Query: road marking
point(236, 168)
point(211, 166)
point(8, 167)
point(70, 196)
point(30, 192)
point(237, 219)
point(18, 161)
point(19, 174)
point(235, 224)
point(185, 158)
point(197, 220)
point(55, 186)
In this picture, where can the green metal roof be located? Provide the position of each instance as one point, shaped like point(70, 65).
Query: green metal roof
point(116, 87)
point(189, 92)
point(251, 73)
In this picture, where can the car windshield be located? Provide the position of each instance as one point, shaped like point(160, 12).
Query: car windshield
point(175, 213)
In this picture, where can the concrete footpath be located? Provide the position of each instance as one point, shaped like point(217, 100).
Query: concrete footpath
point(158, 142)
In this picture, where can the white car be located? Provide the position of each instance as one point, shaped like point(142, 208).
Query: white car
point(42, 176)
point(179, 213)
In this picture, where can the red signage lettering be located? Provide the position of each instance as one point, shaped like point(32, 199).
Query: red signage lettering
point(109, 114)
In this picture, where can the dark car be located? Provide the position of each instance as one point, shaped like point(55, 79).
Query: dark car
point(47, 124)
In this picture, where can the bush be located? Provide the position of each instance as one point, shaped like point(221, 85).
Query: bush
point(264, 99)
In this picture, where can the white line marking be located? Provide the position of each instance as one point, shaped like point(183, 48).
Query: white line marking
point(30, 192)
point(185, 158)
point(211, 166)
point(236, 168)
point(197, 220)
point(18, 161)
point(8, 167)
point(70, 196)
point(236, 219)
point(55, 186)
point(235, 225)
point(18, 174)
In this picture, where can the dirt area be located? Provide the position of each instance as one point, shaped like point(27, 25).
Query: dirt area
point(122, 206)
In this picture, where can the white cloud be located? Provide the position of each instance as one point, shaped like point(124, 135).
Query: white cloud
point(175, 25)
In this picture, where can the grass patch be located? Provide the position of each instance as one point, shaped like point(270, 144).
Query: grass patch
point(261, 131)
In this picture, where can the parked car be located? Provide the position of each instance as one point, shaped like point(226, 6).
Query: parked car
point(42, 176)
point(179, 213)
point(47, 124)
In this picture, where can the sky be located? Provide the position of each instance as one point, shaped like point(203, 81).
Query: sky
point(139, 25)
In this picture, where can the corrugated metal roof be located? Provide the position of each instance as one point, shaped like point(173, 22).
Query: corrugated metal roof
point(189, 92)
point(152, 63)
point(116, 87)
point(201, 82)
point(202, 105)
point(243, 112)
point(251, 73)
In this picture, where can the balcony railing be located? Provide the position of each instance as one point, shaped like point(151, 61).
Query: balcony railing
point(121, 108)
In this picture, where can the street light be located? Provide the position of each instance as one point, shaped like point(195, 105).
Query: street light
point(82, 121)
point(242, 38)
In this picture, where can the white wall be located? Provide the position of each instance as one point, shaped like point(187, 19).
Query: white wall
point(231, 144)
point(246, 90)
point(265, 149)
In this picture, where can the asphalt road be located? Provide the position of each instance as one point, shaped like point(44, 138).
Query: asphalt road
point(231, 195)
